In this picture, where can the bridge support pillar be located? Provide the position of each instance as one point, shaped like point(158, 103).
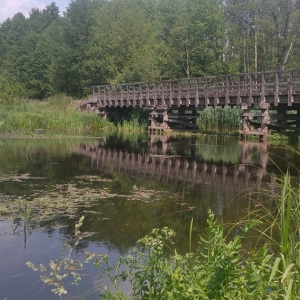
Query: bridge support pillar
point(265, 120)
point(298, 120)
point(158, 120)
point(281, 112)
point(255, 128)
point(103, 113)
point(246, 120)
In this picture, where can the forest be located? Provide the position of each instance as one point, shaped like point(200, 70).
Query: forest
point(103, 42)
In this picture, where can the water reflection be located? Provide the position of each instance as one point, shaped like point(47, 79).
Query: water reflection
point(150, 182)
point(190, 161)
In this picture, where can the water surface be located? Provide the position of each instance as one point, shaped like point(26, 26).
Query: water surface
point(124, 186)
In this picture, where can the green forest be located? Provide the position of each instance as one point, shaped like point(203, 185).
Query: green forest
point(103, 42)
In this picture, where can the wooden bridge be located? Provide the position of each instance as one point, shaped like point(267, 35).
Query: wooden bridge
point(269, 100)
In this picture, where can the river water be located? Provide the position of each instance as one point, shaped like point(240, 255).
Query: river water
point(124, 185)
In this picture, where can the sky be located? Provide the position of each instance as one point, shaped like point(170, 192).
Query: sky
point(8, 8)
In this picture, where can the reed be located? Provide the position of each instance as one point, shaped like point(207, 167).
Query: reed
point(55, 113)
point(219, 119)
point(280, 230)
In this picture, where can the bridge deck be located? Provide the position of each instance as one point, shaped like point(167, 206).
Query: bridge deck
point(241, 90)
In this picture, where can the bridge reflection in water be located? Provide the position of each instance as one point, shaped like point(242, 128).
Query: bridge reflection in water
point(160, 166)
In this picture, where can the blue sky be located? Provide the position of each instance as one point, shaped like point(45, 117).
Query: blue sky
point(10, 7)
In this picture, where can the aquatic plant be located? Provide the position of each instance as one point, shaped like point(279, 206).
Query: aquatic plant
point(281, 230)
point(65, 266)
point(3, 210)
point(219, 119)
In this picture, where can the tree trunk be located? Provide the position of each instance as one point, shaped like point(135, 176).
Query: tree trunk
point(286, 56)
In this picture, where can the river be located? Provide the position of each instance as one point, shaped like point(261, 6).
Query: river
point(124, 186)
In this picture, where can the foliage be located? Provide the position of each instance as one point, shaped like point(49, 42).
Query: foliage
point(276, 137)
point(216, 270)
point(54, 113)
point(101, 41)
point(63, 267)
point(219, 119)
point(281, 229)
point(128, 119)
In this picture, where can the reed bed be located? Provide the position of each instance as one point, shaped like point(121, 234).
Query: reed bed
point(55, 113)
point(219, 120)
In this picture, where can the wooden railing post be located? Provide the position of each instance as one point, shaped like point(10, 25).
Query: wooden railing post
point(290, 89)
point(104, 96)
point(196, 92)
point(206, 92)
point(170, 95)
point(162, 92)
point(187, 99)
point(109, 102)
point(98, 95)
point(127, 95)
point(276, 100)
point(134, 99)
point(178, 93)
point(141, 95)
point(250, 97)
point(121, 96)
point(263, 88)
point(216, 94)
point(148, 95)
point(155, 95)
point(227, 91)
point(238, 92)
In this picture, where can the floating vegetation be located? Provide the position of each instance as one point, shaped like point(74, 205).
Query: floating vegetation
point(65, 266)
point(18, 178)
point(65, 199)
point(91, 178)
point(3, 211)
point(145, 195)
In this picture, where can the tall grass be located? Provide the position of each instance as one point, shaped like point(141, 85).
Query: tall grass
point(219, 119)
point(281, 230)
point(129, 119)
point(55, 113)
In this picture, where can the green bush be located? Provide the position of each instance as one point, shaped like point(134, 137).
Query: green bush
point(217, 270)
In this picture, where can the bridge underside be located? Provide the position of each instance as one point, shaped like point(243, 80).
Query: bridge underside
point(256, 119)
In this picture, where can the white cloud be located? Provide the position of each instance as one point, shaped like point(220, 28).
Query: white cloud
point(8, 8)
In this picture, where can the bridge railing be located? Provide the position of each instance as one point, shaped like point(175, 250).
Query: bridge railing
point(270, 87)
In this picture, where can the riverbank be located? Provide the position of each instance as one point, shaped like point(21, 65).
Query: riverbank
point(59, 116)
point(56, 113)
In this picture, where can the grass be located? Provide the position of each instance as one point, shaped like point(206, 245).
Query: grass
point(60, 113)
point(54, 114)
point(281, 230)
